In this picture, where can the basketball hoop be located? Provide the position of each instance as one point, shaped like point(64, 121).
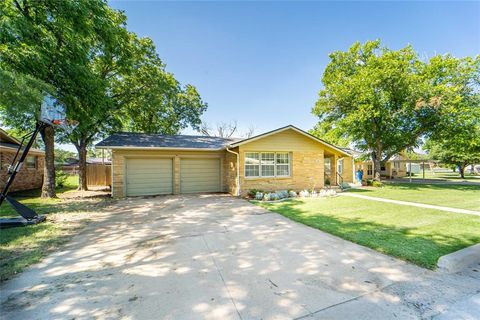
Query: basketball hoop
point(53, 113)
point(66, 125)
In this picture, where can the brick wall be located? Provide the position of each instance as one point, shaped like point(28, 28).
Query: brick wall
point(348, 169)
point(231, 172)
point(307, 170)
point(27, 178)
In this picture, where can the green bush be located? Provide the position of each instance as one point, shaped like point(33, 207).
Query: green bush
point(253, 192)
point(60, 178)
point(377, 184)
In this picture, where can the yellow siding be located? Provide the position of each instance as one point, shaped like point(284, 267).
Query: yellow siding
point(348, 170)
point(307, 165)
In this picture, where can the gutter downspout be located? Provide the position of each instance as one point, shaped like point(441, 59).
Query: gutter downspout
point(238, 170)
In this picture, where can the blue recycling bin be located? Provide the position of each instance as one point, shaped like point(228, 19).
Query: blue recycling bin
point(359, 175)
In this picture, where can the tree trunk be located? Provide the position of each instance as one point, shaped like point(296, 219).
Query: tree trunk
point(82, 165)
point(376, 160)
point(48, 188)
point(461, 169)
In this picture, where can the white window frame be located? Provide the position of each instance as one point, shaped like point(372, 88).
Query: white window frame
point(275, 175)
point(288, 164)
point(260, 172)
point(245, 164)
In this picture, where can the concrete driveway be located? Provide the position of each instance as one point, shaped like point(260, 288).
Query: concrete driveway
point(217, 257)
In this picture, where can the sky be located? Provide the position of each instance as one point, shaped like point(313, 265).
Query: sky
point(261, 63)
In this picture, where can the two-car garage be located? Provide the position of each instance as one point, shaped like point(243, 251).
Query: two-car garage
point(152, 164)
point(154, 176)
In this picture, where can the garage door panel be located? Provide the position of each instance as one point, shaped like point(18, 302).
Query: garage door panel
point(139, 178)
point(151, 170)
point(199, 175)
point(149, 176)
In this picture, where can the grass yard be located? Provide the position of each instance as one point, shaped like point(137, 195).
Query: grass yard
point(450, 176)
point(447, 195)
point(418, 235)
point(23, 246)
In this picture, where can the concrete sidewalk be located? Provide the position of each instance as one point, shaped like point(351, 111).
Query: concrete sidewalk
point(412, 204)
point(218, 257)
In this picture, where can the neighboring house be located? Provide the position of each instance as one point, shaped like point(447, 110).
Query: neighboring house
point(282, 159)
point(395, 167)
point(30, 175)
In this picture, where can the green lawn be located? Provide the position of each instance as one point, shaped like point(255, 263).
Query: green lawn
point(23, 246)
point(455, 196)
point(420, 236)
point(449, 176)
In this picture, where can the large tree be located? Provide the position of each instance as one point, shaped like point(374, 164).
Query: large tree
point(377, 99)
point(456, 140)
point(138, 95)
point(461, 151)
point(52, 41)
point(154, 101)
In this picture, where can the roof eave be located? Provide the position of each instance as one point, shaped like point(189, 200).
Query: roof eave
point(32, 151)
point(263, 135)
point(158, 148)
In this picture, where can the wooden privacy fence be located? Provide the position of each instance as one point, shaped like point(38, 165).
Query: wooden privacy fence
point(99, 174)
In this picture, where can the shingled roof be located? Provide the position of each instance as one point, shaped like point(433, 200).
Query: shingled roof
point(144, 140)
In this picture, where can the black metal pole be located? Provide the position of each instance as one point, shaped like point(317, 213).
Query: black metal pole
point(19, 164)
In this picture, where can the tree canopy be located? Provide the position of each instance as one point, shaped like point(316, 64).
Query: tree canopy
point(107, 77)
point(456, 140)
point(382, 101)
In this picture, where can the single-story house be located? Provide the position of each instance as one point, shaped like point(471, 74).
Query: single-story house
point(287, 158)
point(396, 167)
point(30, 175)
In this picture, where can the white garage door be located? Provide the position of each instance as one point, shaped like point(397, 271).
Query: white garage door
point(149, 177)
point(200, 175)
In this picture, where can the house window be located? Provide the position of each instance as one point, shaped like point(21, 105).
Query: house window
point(396, 165)
point(369, 170)
point(267, 164)
point(252, 164)
point(283, 164)
point(340, 166)
point(31, 162)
